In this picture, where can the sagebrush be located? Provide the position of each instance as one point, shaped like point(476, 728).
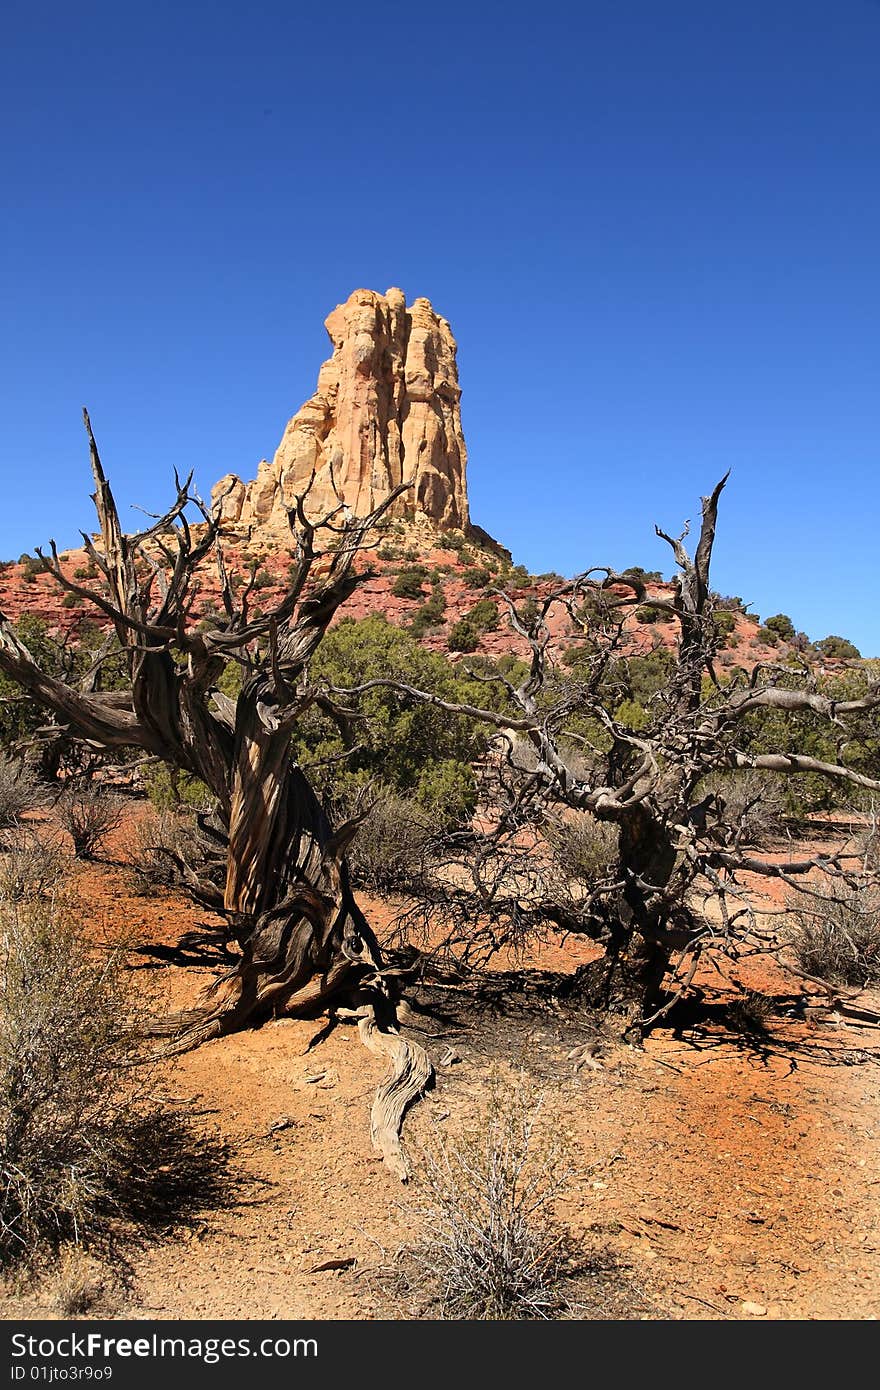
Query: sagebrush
point(87, 1149)
point(491, 1246)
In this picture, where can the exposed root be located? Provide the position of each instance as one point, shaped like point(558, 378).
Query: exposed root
point(411, 1071)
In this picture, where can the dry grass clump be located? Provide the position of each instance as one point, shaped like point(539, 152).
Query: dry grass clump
point(87, 1150)
point(583, 847)
point(170, 849)
point(89, 815)
point(31, 866)
point(751, 1011)
point(491, 1246)
point(20, 790)
point(835, 933)
point(751, 804)
point(388, 853)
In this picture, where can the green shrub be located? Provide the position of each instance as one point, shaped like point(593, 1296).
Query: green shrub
point(448, 790)
point(463, 637)
point(642, 576)
point(528, 612)
point(517, 577)
point(408, 584)
point(429, 615)
point(838, 647)
point(631, 714)
point(484, 615)
point(782, 625)
point(651, 613)
point(168, 788)
point(399, 739)
point(476, 578)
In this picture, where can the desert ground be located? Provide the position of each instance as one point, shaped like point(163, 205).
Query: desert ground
point(726, 1170)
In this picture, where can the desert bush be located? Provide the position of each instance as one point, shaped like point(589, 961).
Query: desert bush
point(31, 867)
point(168, 788)
point(642, 576)
point(754, 804)
point(429, 615)
point(751, 1011)
point(839, 647)
point(20, 790)
point(463, 637)
point(725, 621)
point(388, 852)
point(781, 624)
point(77, 1286)
point(408, 584)
point(583, 847)
point(484, 615)
point(161, 845)
point(476, 578)
point(89, 815)
point(517, 578)
point(86, 1149)
point(835, 934)
point(651, 613)
point(151, 843)
point(490, 1246)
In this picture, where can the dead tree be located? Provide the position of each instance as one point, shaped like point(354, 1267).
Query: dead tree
point(671, 835)
point(305, 944)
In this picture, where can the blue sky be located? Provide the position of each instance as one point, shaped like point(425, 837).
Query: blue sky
point(653, 228)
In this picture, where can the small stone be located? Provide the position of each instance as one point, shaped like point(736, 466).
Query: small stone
point(753, 1310)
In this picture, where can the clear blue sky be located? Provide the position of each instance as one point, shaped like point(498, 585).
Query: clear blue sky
point(654, 228)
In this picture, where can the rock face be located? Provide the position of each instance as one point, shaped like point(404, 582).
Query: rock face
point(386, 411)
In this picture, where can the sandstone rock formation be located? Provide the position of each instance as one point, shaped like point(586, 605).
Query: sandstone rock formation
point(386, 411)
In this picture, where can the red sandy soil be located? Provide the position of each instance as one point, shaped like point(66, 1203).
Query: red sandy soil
point(718, 1174)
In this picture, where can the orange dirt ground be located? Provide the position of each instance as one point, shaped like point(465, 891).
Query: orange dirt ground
point(720, 1174)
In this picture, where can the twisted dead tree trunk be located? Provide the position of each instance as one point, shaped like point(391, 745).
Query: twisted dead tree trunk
point(305, 944)
point(647, 783)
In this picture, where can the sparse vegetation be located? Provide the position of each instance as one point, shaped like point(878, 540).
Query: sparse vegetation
point(408, 584)
point(751, 1011)
point(835, 934)
point(838, 647)
point(86, 1150)
point(583, 847)
point(88, 814)
point(19, 789)
point(491, 1246)
point(463, 637)
point(388, 851)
